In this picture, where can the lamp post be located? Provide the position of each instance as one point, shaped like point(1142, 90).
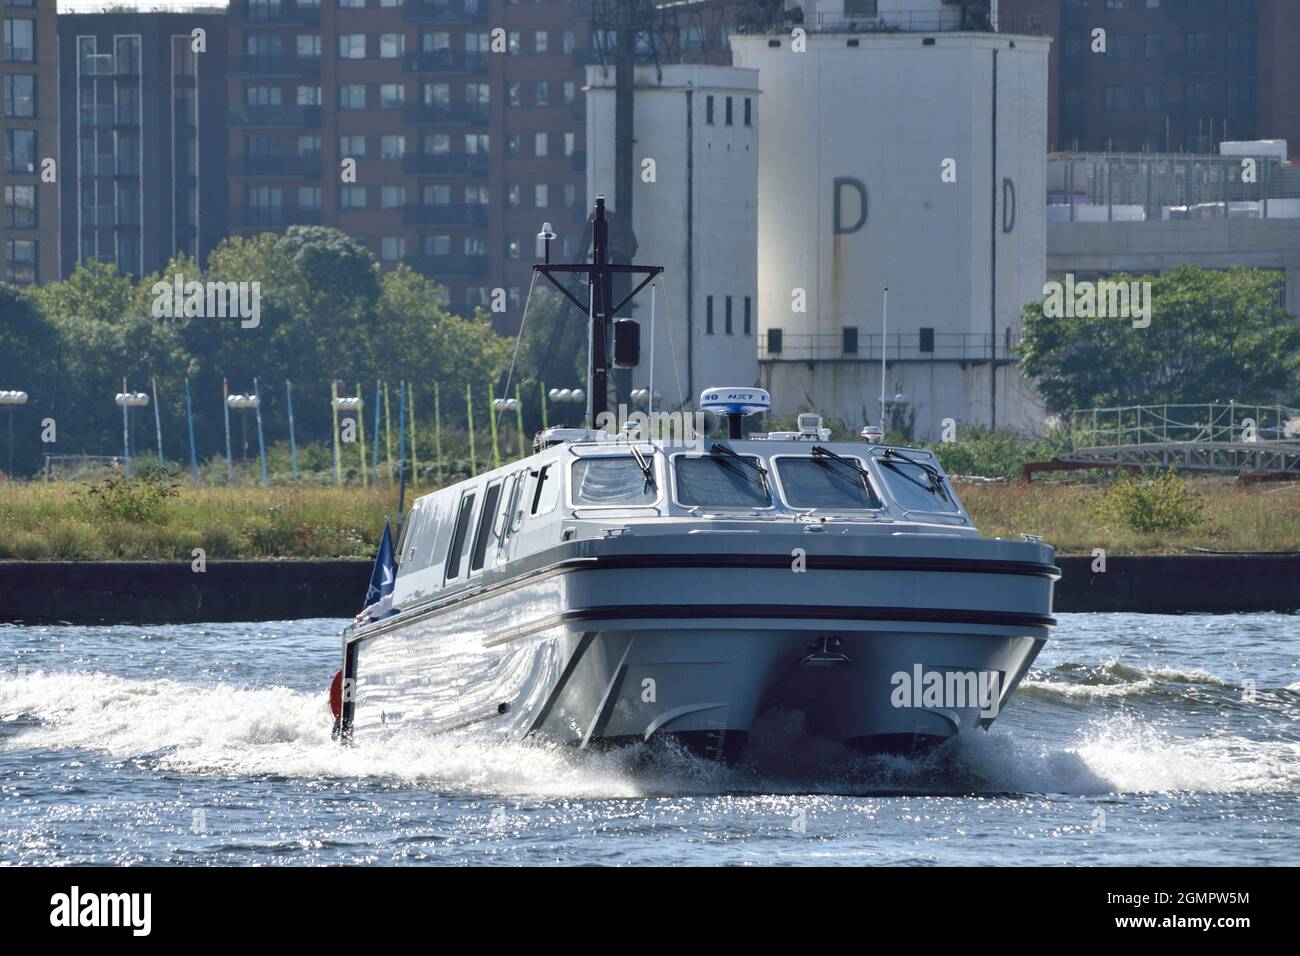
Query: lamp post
point(500, 406)
point(11, 400)
point(252, 402)
point(128, 401)
point(347, 403)
point(566, 396)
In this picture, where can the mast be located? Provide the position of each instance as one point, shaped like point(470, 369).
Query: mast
point(601, 311)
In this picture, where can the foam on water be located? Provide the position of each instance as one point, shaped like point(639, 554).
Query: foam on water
point(221, 730)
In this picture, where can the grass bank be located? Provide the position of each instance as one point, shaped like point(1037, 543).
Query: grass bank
point(65, 521)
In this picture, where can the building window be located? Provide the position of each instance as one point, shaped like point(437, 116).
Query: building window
point(570, 92)
point(1154, 46)
point(20, 207)
point(849, 340)
point(541, 196)
point(20, 261)
point(927, 340)
point(728, 111)
point(708, 315)
point(1153, 97)
point(568, 42)
point(352, 147)
point(392, 248)
point(391, 96)
point(543, 93)
point(748, 326)
point(391, 45)
point(726, 315)
point(20, 41)
point(392, 197)
point(352, 46)
point(436, 194)
point(513, 248)
point(1116, 4)
point(20, 95)
point(539, 42)
point(20, 151)
point(309, 96)
point(749, 113)
point(392, 147)
point(352, 197)
point(1119, 48)
point(1117, 98)
point(512, 93)
point(513, 196)
point(309, 197)
point(355, 4)
point(352, 97)
point(708, 110)
point(541, 143)
point(309, 46)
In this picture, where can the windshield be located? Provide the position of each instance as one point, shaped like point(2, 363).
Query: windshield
point(911, 486)
point(824, 483)
point(716, 481)
point(611, 481)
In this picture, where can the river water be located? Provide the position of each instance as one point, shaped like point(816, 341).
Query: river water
point(1138, 739)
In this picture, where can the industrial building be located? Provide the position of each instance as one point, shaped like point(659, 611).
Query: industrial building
point(695, 201)
point(910, 155)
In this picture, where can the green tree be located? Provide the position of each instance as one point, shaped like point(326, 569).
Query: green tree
point(1214, 336)
point(29, 351)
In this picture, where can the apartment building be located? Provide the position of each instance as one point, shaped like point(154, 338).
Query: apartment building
point(29, 224)
point(142, 125)
point(1166, 75)
point(442, 133)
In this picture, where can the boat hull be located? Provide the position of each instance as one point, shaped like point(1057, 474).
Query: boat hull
point(595, 654)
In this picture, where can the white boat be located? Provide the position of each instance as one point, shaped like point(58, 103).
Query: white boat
point(613, 589)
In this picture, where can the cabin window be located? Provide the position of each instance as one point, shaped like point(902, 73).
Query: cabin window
point(512, 510)
point(718, 481)
point(404, 538)
point(612, 481)
point(456, 549)
point(546, 490)
point(825, 483)
point(912, 487)
point(486, 520)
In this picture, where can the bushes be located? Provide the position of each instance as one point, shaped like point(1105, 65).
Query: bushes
point(1164, 503)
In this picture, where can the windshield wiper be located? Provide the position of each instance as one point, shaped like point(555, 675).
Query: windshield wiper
point(730, 453)
point(931, 472)
point(647, 468)
point(818, 451)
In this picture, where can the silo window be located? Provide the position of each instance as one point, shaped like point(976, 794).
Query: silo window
point(726, 317)
point(708, 315)
point(728, 110)
point(927, 340)
point(708, 110)
point(850, 340)
point(774, 342)
point(748, 328)
point(749, 113)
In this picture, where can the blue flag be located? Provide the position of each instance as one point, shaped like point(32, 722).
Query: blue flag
point(385, 572)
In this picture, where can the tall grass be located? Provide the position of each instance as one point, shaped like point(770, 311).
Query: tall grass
point(61, 521)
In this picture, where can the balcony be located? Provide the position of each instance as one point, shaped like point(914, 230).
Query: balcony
point(272, 64)
point(308, 166)
point(285, 13)
point(294, 117)
point(1211, 63)
point(273, 217)
point(429, 114)
point(1211, 11)
point(445, 61)
point(449, 265)
point(445, 11)
point(96, 165)
point(417, 214)
point(96, 115)
point(97, 217)
point(445, 164)
point(900, 346)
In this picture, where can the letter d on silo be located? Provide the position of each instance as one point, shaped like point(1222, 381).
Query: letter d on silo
point(840, 182)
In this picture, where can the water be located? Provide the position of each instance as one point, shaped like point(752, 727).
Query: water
point(1137, 740)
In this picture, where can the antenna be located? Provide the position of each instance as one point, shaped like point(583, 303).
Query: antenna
point(600, 311)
